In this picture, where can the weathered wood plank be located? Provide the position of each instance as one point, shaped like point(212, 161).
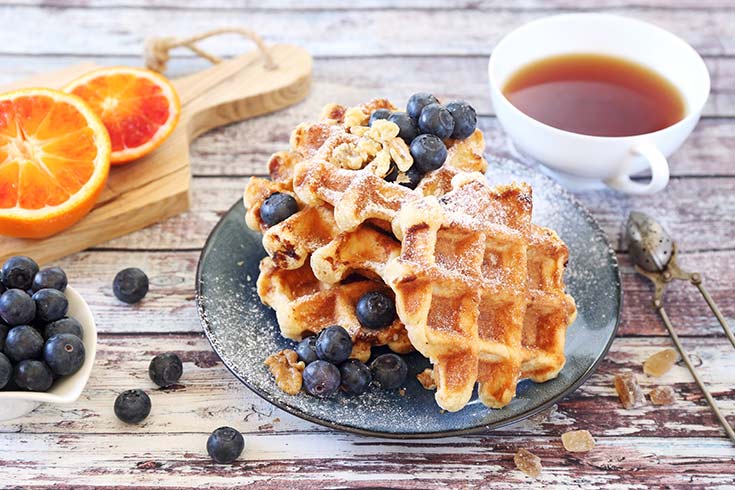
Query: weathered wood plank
point(209, 396)
point(395, 77)
point(169, 306)
point(412, 5)
point(308, 461)
point(324, 32)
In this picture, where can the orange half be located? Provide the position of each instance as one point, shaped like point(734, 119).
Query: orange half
point(54, 161)
point(139, 108)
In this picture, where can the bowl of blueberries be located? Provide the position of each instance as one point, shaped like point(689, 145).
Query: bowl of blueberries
point(48, 338)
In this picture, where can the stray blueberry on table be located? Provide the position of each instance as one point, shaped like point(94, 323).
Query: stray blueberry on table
point(23, 342)
point(18, 272)
point(414, 176)
point(465, 119)
point(6, 371)
point(278, 207)
point(132, 406)
point(375, 310)
point(63, 325)
point(51, 305)
point(389, 370)
point(334, 345)
point(33, 375)
point(64, 354)
point(130, 285)
point(321, 379)
point(435, 119)
point(407, 127)
point(306, 350)
point(378, 114)
point(417, 102)
point(50, 278)
point(225, 445)
point(17, 307)
point(356, 377)
point(165, 369)
point(428, 152)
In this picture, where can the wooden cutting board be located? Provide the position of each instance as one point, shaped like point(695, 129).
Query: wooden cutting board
point(157, 186)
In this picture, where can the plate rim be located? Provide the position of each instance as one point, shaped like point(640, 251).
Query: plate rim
point(205, 324)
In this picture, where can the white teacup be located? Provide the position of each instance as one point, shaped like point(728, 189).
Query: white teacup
point(582, 161)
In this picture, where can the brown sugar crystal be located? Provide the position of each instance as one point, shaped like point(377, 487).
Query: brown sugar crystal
point(287, 369)
point(659, 363)
point(528, 462)
point(426, 378)
point(630, 393)
point(662, 395)
point(578, 441)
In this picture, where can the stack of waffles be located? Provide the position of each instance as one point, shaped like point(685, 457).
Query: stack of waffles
point(478, 288)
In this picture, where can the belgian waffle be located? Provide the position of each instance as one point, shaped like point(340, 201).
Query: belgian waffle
point(305, 306)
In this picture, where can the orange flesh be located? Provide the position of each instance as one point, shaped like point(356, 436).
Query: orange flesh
point(132, 108)
point(47, 152)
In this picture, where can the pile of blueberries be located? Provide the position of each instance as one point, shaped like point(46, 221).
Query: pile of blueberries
point(38, 342)
point(328, 367)
point(424, 127)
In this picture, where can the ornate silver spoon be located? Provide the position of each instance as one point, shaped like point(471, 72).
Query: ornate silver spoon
point(653, 253)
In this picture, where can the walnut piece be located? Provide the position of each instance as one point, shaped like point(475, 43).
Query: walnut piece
point(287, 369)
point(426, 378)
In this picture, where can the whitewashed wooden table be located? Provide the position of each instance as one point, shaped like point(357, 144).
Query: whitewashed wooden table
point(364, 49)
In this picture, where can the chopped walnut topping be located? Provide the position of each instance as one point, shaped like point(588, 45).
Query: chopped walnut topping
point(333, 112)
point(381, 163)
point(347, 155)
point(426, 378)
point(354, 116)
point(287, 370)
point(400, 154)
point(383, 131)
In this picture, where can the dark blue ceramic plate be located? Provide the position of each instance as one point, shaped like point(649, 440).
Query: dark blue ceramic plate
point(244, 332)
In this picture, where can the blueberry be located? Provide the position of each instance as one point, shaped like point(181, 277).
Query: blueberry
point(165, 369)
point(428, 152)
point(306, 349)
point(417, 102)
point(33, 375)
point(51, 278)
point(18, 272)
point(277, 207)
point(356, 377)
point(6, 371)
point(63, 325)
point(406, 125)
point(23, 342)
point(465, 119)
point(130, 285)
point(389, 370)
point(64, 354)
point(334, 345)
point(375, 310)
point(4, 329)
point(225, 445)
point(414, 176)
point(435, 119)
point(51, 305)
point(321, 379)
point(379, 114)
point(132, 406)
point(16, 307)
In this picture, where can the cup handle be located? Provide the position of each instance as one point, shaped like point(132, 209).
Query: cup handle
point(659, 172)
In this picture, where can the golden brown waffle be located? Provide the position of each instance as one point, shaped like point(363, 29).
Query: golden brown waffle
point(460, 284)
point(305, 306)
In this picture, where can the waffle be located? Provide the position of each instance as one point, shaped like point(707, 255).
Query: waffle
point(305, 306)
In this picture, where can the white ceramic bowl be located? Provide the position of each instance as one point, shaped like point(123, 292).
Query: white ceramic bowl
point(67, 389)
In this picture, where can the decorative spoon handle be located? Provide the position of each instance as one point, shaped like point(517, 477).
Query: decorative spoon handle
point(697, 281)
point(712, 403)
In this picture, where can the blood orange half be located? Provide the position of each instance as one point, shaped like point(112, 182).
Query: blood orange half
point(139, 108)
point(54, 161)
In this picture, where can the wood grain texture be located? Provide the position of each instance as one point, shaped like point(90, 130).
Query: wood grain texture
point(343, 33)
